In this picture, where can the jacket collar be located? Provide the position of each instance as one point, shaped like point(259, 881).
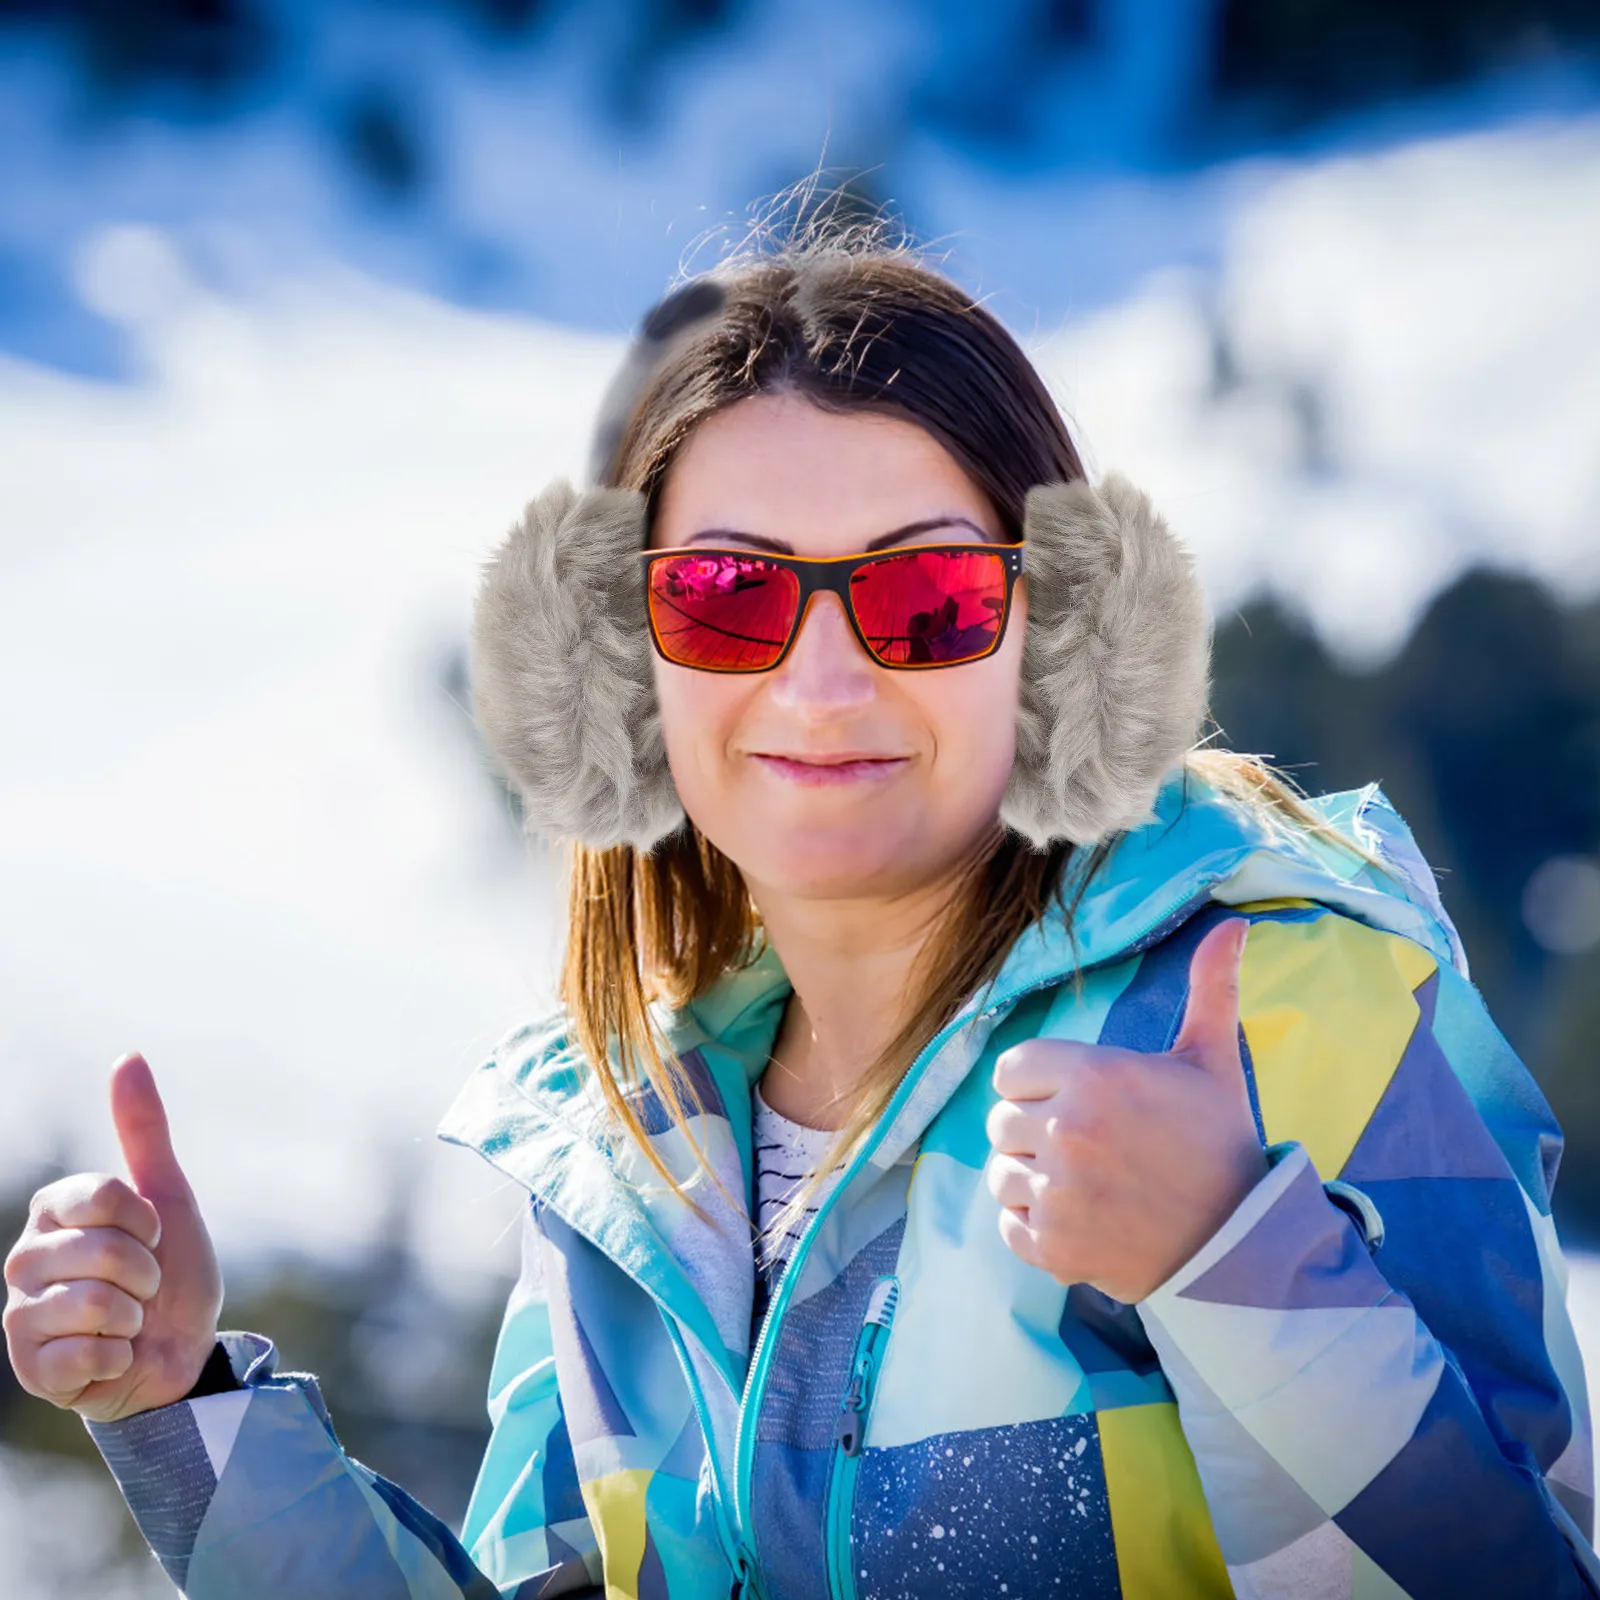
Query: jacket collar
point(1199, 844)
point(533, 1112)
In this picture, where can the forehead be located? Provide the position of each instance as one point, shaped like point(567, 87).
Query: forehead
point(824, 482)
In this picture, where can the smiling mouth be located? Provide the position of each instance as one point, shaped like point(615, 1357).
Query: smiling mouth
point(811, 772)
point(825, 761)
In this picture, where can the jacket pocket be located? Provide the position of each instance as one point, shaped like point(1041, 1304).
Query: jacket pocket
point(854, 1412)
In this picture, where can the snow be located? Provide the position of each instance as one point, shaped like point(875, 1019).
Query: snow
point(1414, 337)
point(242, 826)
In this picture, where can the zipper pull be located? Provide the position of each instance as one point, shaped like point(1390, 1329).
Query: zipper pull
point(849, 1430)
point(880, 1313)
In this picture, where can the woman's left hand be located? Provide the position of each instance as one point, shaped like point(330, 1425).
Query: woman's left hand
point(1113, 1167)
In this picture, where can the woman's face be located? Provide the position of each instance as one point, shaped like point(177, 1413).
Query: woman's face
point(789, 476)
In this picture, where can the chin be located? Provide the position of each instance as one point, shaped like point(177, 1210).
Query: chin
point(836, 863)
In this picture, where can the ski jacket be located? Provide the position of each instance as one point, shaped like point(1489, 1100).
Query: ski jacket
point(1365, 1384)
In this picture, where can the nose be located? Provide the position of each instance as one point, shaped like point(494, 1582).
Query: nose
point(826, 669)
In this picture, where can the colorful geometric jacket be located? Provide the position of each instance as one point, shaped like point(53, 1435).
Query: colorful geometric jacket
point(1364, 1385)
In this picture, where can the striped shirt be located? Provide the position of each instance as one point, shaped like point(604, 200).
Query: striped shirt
point(786, 1154)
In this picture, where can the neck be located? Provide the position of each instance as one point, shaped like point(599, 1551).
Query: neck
point(851, 963)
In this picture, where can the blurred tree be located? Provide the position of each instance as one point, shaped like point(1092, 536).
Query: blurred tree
point(649, 46)
point(1297, 60)
point(1485, 733)
point(208, 49)
point(1052, 81)
point(378, 130)
point(1489, 694)
point(508, 18)
point(1570, 1074)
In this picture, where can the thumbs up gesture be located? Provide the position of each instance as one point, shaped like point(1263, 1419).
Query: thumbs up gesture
point(113, 1291)
point(1112, 1167)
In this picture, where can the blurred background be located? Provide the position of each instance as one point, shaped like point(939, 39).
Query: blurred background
point(300, 301)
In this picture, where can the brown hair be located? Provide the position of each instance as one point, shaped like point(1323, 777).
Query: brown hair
point(851, 323)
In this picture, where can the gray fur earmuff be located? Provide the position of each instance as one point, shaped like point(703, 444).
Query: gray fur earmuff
point(1115, 663)
point(1115, 667)
point(561, 680)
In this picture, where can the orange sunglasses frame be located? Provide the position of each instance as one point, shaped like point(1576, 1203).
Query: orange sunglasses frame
point(832, 574)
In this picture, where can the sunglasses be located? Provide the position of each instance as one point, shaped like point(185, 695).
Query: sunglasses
point(933, 605)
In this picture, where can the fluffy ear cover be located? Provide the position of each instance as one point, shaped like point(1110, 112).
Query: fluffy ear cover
point(1115, 664)
point(561, 678)
point(1115, 667)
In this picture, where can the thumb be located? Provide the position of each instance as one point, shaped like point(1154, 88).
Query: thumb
point(1209, 1036)
point(141, 1123)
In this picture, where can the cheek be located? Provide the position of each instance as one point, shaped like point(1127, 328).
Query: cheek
point(698, 711)
point(972, 714)
point(986, 746)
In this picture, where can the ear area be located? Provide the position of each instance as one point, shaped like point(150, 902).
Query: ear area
point(1115, 664)
point(561, 677)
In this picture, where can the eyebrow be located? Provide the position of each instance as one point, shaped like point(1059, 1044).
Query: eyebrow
point(882, 542)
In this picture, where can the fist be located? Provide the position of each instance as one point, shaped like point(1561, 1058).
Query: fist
point(1112, 1167)
point(113, 1291)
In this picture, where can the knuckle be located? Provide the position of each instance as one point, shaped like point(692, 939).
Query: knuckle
point(1045, 1205)
point(53, 1198)
point(97, 1297)
point(1092, 1125)
point(1100, 1080)
point(56, 1367)
point(1019, 1061)
point(112, 1358)
point(26, 1265)
point(1063, 1124)
point(104, 1192)
point(111, 1251)
point(88, 1254)
point(1088, 1113)
point(1015, 1233)
point(1003, 1124)
point(143, 1274)
point(17, 1264)
point(15, 1319)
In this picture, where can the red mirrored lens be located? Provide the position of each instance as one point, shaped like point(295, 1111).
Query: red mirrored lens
point(722, 612)
point(931, 608)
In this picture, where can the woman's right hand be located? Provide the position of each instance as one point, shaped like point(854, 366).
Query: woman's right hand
point(113, 1288)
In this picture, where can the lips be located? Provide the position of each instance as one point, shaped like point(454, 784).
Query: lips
point(834, 768)
point(833, 760)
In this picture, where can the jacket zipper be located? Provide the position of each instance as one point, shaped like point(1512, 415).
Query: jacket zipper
point(747, 1581)
point(854, 1410)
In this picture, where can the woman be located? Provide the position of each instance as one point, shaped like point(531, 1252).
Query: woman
point(988, 1145)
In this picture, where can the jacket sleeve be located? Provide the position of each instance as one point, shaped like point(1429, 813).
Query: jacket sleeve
point(247, 1495)
point(1378, 1377)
